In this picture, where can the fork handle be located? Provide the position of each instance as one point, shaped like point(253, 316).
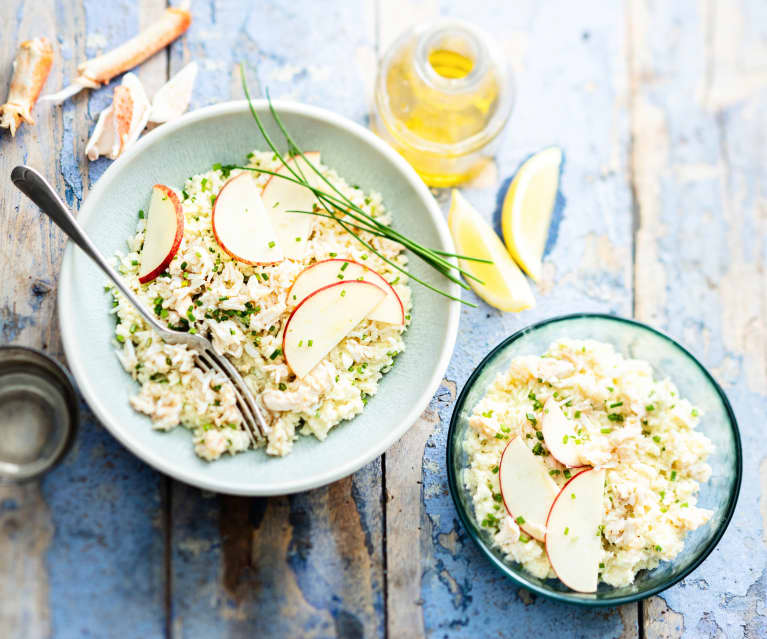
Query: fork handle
point(37, 189)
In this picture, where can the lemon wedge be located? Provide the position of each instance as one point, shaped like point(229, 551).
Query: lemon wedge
point(505, 287)
point(527, 209)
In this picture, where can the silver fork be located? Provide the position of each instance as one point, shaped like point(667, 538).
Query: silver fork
point(37, 189)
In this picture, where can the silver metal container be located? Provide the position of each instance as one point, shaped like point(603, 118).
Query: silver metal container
point(39, 413)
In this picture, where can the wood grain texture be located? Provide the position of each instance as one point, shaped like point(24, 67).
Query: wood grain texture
point(698, 110)
point(661, 111)
point(82, 550)
point(310, 565)
point(571, 77)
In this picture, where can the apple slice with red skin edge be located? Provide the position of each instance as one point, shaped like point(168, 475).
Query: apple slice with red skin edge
point(280, 196)
point(323, 319)
point(320, 274)
point(573, 541)
point(164, 231)
point(241, 225)
point(526, 487)
point(555, 428)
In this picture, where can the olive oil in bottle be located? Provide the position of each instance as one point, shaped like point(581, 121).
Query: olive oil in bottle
point(442, 97)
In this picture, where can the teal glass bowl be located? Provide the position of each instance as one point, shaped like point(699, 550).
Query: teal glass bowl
point(668, 359)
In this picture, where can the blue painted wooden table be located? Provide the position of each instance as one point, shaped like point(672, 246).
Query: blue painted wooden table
point(661, 109)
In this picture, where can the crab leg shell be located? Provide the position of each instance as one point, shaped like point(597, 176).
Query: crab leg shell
point(121, 123)
point(103, 68)
point(30, 71)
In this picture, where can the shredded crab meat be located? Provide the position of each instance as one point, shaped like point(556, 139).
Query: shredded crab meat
point(637, 428)
point(30, 71)
point(243, 310)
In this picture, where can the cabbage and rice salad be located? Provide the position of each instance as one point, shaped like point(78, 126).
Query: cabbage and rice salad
point(243, 309)
point(635, 427)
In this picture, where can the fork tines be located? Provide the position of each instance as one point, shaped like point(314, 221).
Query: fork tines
point(253, 421)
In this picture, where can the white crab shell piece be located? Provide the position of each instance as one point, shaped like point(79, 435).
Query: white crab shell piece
point(173, 97)
point(120, 124)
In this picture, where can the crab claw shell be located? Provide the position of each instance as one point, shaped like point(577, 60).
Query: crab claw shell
point(173, 97)
point(97, 71)
point(120, 124)
point(30, 71)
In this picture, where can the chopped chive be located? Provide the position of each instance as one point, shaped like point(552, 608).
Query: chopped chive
point(277, 352)
point(520, 520)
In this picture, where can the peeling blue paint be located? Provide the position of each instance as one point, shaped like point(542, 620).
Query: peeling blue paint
point(105, 562)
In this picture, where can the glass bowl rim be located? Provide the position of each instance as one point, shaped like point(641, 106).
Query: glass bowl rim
point(572, 597)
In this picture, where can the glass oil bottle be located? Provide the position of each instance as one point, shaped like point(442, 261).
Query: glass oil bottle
point(443, 95)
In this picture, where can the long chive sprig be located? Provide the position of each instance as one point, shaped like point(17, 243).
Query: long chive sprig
point(359, 219)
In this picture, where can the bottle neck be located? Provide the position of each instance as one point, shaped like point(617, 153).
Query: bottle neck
point(448, 39)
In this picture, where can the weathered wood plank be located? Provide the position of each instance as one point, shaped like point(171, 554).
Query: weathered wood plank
point(311, 564)
point(27, 262)
point(571, 78)
point(78, 550)
point(102, 487)
point(699, 99)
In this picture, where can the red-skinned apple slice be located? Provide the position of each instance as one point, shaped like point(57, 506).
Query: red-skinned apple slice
point(323, 319)
point(164, 230)
point(320, 274)
point(280, 196)
point(559, 435)
point(241, 225)
point(573, 541)
point(526, 487)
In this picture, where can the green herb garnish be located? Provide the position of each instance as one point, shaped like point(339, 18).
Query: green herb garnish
point(338, 207)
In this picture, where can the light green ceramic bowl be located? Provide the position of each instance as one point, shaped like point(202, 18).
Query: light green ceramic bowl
point(226, 133)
